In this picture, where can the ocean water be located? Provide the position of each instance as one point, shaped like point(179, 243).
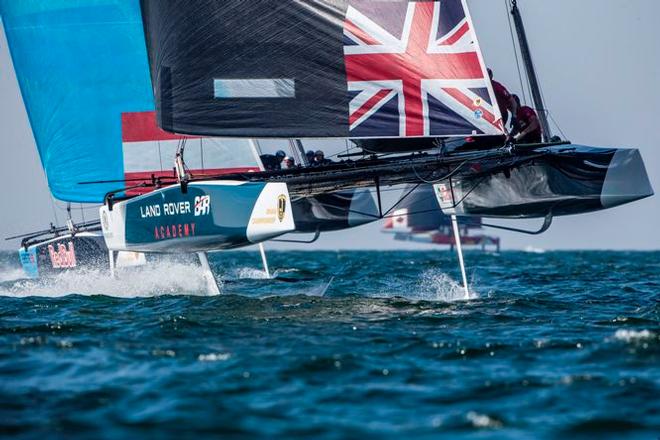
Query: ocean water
point(338, 345)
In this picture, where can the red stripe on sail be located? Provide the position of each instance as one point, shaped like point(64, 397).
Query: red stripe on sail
point(142, 127)
point(363, 36)
point(413, 66)
point(453, 38)
point(371, 102)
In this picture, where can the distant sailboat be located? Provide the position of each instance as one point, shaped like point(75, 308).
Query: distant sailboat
point(419, 219)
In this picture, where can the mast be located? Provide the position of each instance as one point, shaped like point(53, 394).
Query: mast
point(531, 72)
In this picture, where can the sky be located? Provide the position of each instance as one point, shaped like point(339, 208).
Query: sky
point(598, 62)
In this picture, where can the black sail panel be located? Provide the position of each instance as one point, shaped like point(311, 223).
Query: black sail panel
point(195, 44)
point(318, 68)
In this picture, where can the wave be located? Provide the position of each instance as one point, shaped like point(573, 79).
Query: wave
point(633, 335)
point(166, 278)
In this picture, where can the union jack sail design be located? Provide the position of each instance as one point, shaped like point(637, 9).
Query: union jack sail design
point(423, 78)
point(318, 68)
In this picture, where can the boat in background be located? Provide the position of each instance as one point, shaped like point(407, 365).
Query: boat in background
point(420, 220)
point(77, 246)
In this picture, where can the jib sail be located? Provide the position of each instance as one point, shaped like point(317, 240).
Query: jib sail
point(84, 77)
point(318, 68)
point(79, 66)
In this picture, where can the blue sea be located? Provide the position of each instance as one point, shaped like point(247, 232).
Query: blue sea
point(338, 345)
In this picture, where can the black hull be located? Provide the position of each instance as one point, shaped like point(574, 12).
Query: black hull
point(334, 211)
point(559, 183)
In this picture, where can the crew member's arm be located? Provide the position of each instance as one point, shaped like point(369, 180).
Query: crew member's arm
point(513, 106)
point(534, 124)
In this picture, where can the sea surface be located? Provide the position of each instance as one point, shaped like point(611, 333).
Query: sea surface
point(337, 345)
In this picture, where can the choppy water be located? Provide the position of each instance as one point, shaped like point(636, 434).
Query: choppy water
point(552, 345)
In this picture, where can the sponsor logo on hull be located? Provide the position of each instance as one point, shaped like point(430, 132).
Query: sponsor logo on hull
point(214, 215)
point(62, 258)
point(281, 207)
point(202, 205)
point(445, 194)
point(176, 230)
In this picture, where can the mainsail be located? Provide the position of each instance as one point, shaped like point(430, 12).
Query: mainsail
point(318, 68)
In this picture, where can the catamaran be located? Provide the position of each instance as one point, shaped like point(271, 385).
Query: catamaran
point(419, 219)
point(404, 82)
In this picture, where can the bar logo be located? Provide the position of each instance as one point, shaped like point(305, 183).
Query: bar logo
point(202, 205)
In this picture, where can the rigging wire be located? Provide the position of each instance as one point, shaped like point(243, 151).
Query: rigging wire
point(344, 152)
point(545, 110)
point(86, 208)
point(445, 177)
point(52, 204)
point(515, 49)
point(401, 199)
point(557, 125)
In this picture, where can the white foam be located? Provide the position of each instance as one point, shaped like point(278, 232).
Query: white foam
point(283, 271)
point(11, 274)
point(633, 335)
point(249, 273)
point(213, 357)
point(438, 286)
point(533, 250)
point(483, 420)
point(154, 279)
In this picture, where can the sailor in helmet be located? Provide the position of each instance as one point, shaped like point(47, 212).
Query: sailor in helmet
point(310, 157)
point(319, 158)
point(273, 162)
point(288, 163)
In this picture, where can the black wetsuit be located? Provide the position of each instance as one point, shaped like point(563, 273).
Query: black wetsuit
point(271, 162)
point(322, 162)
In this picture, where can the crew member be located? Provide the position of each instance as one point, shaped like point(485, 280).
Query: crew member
point(504, 100)
point(288, 163)
point(273, 162)
point(528, 127)
point(319, 158)
point(310, 157)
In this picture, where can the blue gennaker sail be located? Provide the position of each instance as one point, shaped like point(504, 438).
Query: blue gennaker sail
point(80, 64)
